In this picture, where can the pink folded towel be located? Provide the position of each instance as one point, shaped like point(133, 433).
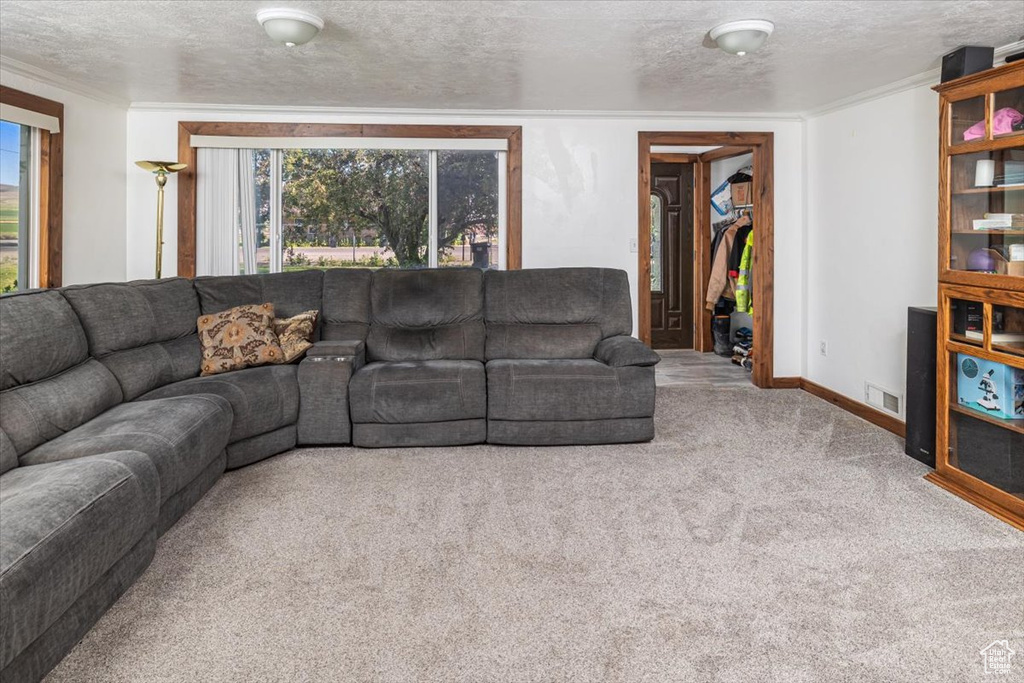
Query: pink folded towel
point(1002, 123)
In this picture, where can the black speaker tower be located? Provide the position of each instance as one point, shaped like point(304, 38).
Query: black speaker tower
point(921, 341)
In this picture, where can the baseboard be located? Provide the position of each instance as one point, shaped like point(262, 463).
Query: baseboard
point(786, 383)
point(861, 410)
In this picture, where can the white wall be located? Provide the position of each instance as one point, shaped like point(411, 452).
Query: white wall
point(95, 143)
point(872, 237)
point(579, 192)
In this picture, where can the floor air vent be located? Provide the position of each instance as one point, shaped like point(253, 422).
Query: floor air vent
point(878, 397)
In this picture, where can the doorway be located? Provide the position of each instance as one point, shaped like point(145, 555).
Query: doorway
point(671, 202)
point(703, 148)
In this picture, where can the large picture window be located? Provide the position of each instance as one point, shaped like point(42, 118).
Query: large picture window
point(17, 226)
point(30, 191)
point(272, 204)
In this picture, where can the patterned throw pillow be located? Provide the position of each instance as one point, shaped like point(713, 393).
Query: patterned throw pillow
point(295, 334)
point(238, 338)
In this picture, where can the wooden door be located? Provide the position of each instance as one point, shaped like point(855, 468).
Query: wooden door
point(671, 256)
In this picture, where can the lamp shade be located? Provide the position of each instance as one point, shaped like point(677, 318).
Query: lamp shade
point(161, 166)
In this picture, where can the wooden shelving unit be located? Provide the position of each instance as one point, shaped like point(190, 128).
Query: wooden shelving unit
point(980, 451)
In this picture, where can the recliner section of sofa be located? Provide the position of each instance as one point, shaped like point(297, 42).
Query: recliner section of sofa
point(74, 535)
point(265, 399)
point(561, 368)
point(423, 383)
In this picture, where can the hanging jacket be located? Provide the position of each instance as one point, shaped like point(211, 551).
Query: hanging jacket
point(744, 295)
point(736, 254)
point(719, 283)
point(718, 230)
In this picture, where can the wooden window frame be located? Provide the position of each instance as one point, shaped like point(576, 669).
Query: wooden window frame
point(188, 155)
point(51, 184)
point(762, 147)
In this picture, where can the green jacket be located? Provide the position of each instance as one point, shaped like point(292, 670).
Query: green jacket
point(744, 300)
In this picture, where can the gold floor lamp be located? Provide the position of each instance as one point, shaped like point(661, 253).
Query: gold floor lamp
point(160, 169)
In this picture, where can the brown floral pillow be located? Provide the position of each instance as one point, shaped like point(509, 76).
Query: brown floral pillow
point(238, 338)
point(295, 334)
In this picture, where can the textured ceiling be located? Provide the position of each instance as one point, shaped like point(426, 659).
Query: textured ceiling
point(641, 56)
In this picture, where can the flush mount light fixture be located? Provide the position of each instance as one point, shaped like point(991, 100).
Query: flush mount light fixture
point(741, 37)
point(290, 26)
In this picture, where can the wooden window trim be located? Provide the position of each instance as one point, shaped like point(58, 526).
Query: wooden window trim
point(762, 146)
point(188, 155)
point(51, 184)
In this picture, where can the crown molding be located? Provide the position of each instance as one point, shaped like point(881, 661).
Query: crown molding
point(929, 78)
point(19, 68)
point(271, 110)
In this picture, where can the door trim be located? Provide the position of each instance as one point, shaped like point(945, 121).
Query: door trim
point(674, 158)
point(761, 145)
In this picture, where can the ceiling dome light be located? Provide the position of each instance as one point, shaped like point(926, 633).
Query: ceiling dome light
point(741, 37)
point(290, 26)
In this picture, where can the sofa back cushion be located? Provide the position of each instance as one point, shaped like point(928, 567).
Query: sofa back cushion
point(432, 314)
point(346, 313)
point(48, 382)
point(291, 293)
point(554, 313)
point(144, 332)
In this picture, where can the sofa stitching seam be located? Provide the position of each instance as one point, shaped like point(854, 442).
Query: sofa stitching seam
point(416, 381)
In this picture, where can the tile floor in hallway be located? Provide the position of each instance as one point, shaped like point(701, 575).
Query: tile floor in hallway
point(692, 368)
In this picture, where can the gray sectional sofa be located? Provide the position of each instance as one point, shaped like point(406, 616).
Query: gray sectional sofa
point(108, 434)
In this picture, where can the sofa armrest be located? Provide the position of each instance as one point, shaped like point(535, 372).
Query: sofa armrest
point(323, 391)
point(353, 349)
point(625, 350)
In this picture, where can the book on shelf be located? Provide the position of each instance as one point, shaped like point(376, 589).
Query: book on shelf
point(997, 337)
point(992, 224)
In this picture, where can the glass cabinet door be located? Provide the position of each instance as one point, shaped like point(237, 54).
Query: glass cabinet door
point(1008, 113)
point(986, 421)
point(967, 120)
point(985, 379)
point(986, 220)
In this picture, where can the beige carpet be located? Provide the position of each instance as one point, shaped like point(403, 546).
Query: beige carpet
point(764, 536)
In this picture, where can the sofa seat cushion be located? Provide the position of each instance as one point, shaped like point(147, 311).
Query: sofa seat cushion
point(180, 435)
point(572, 389)
point(418, 391)
point(262, 399)
point(63, 526)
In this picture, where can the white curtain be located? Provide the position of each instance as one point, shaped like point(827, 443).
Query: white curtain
point(217, 211)
point(247, 208)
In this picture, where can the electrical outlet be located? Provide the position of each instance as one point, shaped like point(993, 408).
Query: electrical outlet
point(823, 348)
point(633, 246)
